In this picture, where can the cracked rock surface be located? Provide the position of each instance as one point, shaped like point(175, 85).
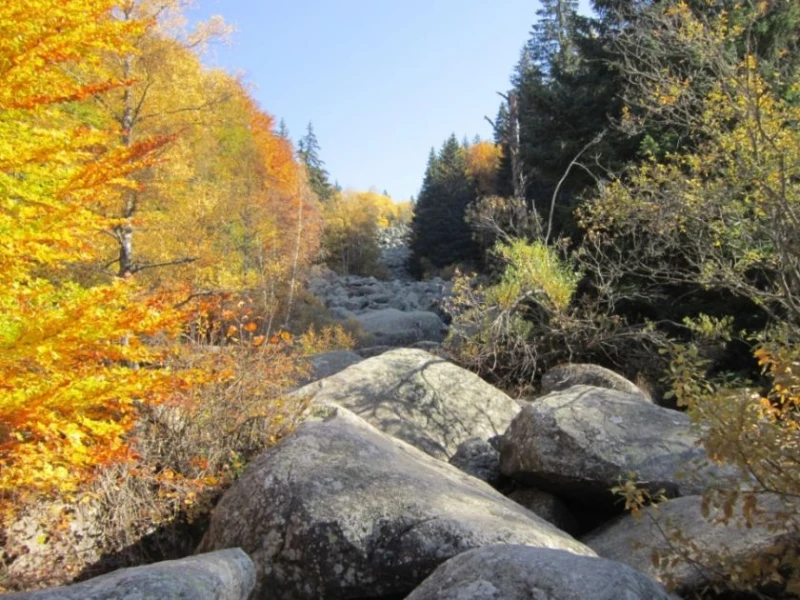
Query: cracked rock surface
point(579, 442)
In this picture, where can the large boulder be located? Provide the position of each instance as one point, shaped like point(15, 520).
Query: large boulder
point(522, 573)
point(565, 376)
point(223, 575)
point(699, 550)
point(580, 442)
point(341, 510)
point(420, 398)
point(392, 327)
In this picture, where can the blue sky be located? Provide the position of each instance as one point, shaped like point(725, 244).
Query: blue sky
point(381, 80)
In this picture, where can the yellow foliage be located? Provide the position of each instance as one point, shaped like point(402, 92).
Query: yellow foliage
point(351, 224)
point(533, 270)
point(328, 338)
point(483, 163)
point(67, 386)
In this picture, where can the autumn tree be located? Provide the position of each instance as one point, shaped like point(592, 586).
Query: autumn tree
point(67, 382)
point(483, 164)
point(350, 241)
point(227, 207)
point(148, 106)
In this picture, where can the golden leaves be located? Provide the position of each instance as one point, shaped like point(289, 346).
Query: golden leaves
point(67, 349)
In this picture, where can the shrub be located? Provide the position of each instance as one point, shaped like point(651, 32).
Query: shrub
point(512, 331)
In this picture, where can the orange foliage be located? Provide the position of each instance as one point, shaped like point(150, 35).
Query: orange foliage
point(82, 353)
point(68, 352)
point(39, 36)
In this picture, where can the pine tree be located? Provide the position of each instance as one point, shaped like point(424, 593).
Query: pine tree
point(308, 153)
point(283, 130)
point(440, 235)
point(567, 96)
point(551, 47)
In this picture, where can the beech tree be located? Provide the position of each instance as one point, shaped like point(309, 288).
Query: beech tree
point(148, 107)
point(66, 387)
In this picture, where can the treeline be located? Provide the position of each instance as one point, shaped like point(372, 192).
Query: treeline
point(643, 215)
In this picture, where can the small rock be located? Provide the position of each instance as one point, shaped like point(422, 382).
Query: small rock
point(392, 327)
point(477, 457)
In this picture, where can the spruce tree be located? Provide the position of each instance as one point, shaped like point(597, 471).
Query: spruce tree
point(308, 153)
point(440, 235)
point(567, 96)
point(283, 130)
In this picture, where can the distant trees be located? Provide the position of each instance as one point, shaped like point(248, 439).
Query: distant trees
point(352, 222)
point(440, 234)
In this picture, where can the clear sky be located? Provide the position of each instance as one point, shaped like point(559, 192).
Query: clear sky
point(382, 80)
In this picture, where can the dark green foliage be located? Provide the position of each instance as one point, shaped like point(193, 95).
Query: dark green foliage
point(440, 235)
point(308, 152)
point(567, 95)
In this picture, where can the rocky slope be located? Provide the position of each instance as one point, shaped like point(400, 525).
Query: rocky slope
point(411, 477)
point(376, 496)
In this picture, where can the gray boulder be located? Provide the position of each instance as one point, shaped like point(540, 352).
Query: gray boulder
point(223, 575)
point(407, 301)
point(341, 313)
point(392, 327)
point(326, 364)
point(551, 509)
point(523, 573)
point(578, 443)
point(637, 541)
point(479, 458)
point(420, 398)
point(341, 510)
point(565, 376)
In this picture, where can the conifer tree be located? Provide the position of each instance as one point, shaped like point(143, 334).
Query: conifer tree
point(440, 235)
point(308, 153)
